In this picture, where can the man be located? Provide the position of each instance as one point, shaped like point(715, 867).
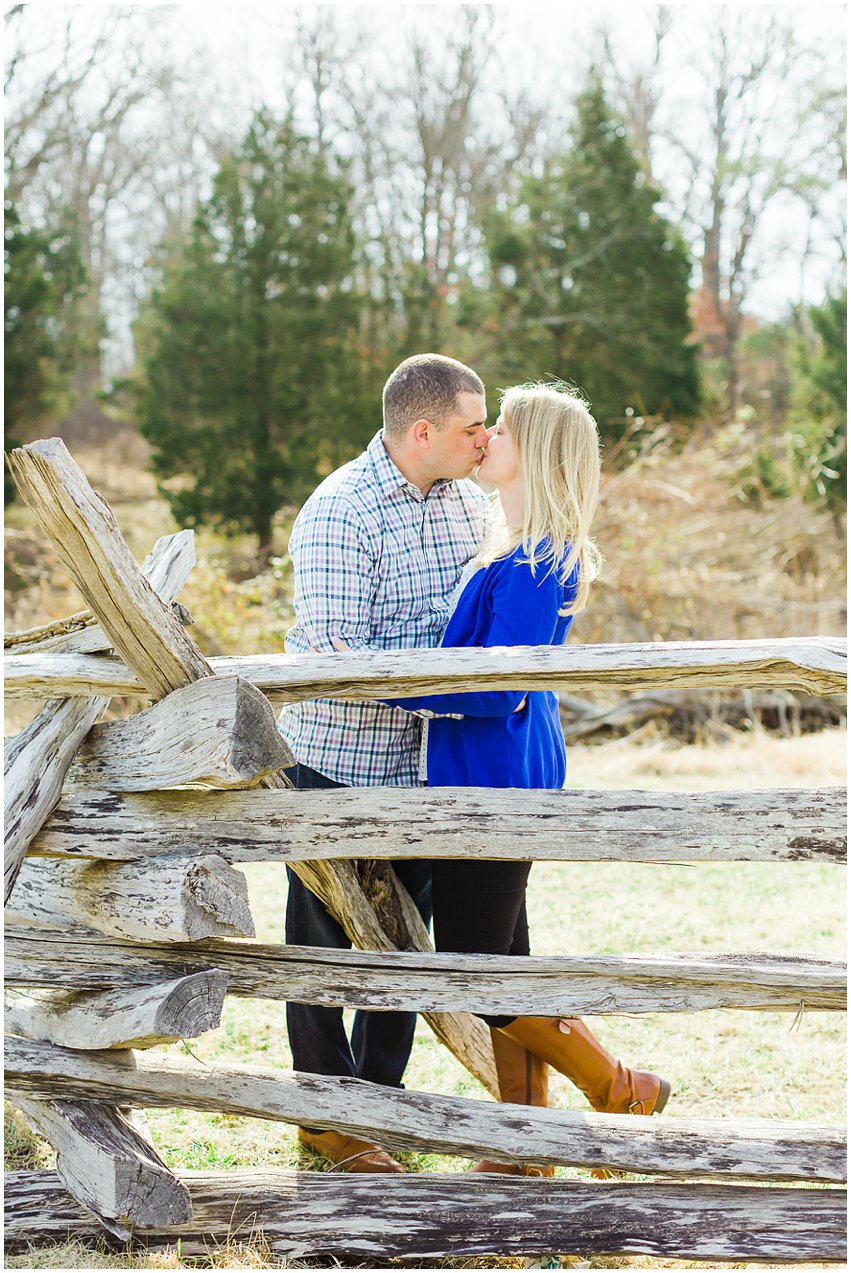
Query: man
point(377, 551)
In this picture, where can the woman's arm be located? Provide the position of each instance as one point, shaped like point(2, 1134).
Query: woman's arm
point(524, 612)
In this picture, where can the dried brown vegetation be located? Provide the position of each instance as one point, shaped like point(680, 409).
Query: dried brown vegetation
point(689, 553)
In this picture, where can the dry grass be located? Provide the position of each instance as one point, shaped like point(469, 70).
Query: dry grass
point(756, 758)
point(79, 1255)
point(686, 554)
point(686, 557)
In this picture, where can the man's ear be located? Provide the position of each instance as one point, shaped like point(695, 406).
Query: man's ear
point(420, 432)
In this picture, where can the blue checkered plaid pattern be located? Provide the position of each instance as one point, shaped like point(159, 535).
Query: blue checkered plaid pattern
point(375, 563)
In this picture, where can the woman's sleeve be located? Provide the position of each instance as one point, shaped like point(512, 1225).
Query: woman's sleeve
point(524, 612)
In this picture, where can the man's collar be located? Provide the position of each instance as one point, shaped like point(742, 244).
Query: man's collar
point(387, 476)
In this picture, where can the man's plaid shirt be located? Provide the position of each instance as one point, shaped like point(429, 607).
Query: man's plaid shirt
point(375, 563)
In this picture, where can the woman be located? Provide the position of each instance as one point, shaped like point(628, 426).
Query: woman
point(531, 577)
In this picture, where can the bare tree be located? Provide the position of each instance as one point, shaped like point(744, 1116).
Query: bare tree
point(431, 142)
point(766, 134)
point(106, 133)
point(636, 85)
point(736, 117)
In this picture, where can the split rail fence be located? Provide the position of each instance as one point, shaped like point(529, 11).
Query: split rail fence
point(127, 924)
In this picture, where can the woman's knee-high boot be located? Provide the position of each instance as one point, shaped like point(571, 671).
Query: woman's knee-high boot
point(523, 1080)
point(570, 1047)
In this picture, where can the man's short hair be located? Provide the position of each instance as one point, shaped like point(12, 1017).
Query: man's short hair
point(426, 387)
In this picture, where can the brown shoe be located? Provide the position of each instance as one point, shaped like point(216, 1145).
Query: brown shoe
point(612, 1088)
point(569, 1046)
point(349, 1153)
point(514, 1169)
point(523, 1080)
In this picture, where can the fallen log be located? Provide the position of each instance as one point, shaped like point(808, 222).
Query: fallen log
point(172, 899)
point(743, 1148)
point(417, 982)
point(166, 568)
point(686, 714)
point(815, 665)
point(392, 822)
point(219, 731)
point(136, 1017)
point(108, 1166)
point(316, 1216)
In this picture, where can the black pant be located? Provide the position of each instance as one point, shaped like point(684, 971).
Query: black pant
point(480, 908)
point(381, 1041)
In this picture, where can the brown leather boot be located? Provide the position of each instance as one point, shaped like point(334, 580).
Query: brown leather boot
point(349, 1153)
point(523, 1080)
point(570, 1047)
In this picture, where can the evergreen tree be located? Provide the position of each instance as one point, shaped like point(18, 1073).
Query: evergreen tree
point(44, 282)
point(819, 417)
point(589, 283)
point(249, 347)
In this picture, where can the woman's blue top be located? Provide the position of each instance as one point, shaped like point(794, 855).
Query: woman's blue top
point(495, 745)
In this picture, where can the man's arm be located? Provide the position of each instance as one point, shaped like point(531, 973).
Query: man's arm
point(334, 575)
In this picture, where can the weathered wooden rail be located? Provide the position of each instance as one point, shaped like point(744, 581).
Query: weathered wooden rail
point(414, 981)
point(392, 822)
point(747, 1148)
point(816, 665)
point(121, 924)
point(311, 1215)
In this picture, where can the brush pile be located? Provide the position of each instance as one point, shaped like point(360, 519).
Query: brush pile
point(693, 551)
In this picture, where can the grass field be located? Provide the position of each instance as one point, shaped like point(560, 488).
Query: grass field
point(721, 1064)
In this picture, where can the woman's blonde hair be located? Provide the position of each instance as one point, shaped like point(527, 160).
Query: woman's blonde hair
point(559, 452)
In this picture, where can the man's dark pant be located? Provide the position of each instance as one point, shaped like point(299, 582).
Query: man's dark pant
point(381, 1041)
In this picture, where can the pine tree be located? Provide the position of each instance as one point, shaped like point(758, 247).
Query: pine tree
point(44, 282)
point(819, 418)
point(249, 346)
point(589, 283)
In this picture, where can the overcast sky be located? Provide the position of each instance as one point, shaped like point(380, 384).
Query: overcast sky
point(544, 50)
point(542, 43)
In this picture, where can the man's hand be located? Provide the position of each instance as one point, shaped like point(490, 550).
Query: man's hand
point(338, 644)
